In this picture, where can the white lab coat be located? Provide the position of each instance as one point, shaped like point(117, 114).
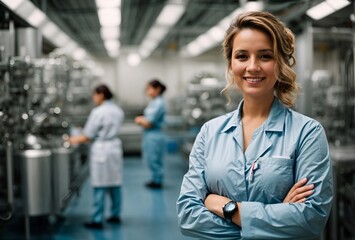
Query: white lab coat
point(106, 157)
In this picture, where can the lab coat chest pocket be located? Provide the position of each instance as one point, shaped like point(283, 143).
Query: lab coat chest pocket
point(277, 175)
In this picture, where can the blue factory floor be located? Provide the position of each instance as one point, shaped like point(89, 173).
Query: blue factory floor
point(147, 214)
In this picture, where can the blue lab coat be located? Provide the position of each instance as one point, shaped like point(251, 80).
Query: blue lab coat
point(286, 148)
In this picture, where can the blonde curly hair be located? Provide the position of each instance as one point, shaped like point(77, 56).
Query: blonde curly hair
point(286, 87)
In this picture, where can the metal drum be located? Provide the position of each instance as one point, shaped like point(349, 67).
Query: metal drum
point(36, 182)
point(61, 177)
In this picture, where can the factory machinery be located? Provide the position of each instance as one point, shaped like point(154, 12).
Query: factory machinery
point(39, 171)
point(332, 92)
point(204, 101)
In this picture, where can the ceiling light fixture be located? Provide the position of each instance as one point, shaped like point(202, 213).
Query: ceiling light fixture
point(112, 45)
point(170, 14)
point(133, 59)
point(79, 54)
point(109, 17)
point(109, 13)
point(13, 4)
point(168, 17)
point(108, 3)
point(36, 18)
point(110, 33)
point(326, 8)
point(61, 39)
point(215, 35)
point(50, 29)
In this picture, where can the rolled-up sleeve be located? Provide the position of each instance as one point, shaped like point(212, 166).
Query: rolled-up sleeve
point(194, 218)
point(296, 220)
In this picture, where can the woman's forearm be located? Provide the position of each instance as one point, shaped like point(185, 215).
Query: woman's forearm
point(141, 120)
point(215, 204)
point(79, 139)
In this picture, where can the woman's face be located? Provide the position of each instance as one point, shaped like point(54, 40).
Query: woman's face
point(152, 92)
point(253, 63)
point(98, 98)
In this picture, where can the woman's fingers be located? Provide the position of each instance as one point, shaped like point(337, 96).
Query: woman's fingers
point(301, 196)
point(299, 192)
point(298, 184)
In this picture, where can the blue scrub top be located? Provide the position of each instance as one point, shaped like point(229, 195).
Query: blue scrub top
point(154, 113)
point(286, 148)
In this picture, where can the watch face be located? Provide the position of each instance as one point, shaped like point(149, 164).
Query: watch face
point(230, 206)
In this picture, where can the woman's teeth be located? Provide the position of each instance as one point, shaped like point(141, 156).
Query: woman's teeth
point(254, 80)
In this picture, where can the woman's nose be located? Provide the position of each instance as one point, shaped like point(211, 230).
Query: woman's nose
point(253, 65)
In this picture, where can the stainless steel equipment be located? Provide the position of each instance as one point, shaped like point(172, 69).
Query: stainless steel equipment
point(61, 177)
point(41, 173)
point(342, 218)
point(28, 42)
point(203, 102)
point(36, 184)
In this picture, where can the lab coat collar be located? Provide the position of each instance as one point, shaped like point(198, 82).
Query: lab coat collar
point(234, 118)
point(274, 123)
point(276, 119)
point(107, 102)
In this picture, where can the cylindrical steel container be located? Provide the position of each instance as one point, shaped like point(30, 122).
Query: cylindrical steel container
point(61, 177)
point(28, 42)
point(36, 181)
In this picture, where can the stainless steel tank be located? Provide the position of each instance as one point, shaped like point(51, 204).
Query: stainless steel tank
point(61, 177)
point(36, 181)
point(28, 42)
point(6, 45)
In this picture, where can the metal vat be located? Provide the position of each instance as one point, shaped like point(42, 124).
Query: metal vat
point(61, 177)
point(36, 182)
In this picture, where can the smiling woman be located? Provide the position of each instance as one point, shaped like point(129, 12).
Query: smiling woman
point(253, 64)
point(262, 171)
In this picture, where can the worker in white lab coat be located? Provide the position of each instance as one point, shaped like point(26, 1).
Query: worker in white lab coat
point(106, 161)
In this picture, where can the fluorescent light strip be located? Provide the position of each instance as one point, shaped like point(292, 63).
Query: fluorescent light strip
point(109, 17)
point(338, 4)
point(109, 14)
point(110, 33)
point(50, 29)
point(326, 8)
point(112, 45)
point(108, 3)
point(33, 15)
point(168, 17)
point(215, 35)
point(170, 14)
point(13, 4)
point(36, 18)
point(61, 39)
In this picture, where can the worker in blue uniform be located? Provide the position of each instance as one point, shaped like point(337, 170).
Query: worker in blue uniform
point(262, 171)
point(153, 138)
point(106, 157)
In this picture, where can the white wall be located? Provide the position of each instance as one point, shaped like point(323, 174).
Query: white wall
point(128, 83)
point(109, 73)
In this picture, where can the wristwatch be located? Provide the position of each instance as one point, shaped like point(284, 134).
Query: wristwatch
point(230, 209)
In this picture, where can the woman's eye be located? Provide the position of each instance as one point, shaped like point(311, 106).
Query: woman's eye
point(266, 57)
point(241, 57)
